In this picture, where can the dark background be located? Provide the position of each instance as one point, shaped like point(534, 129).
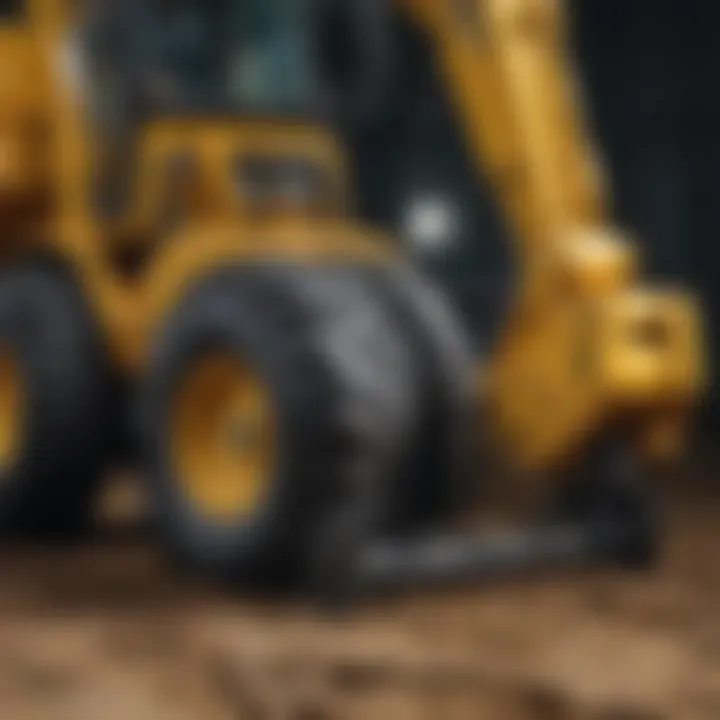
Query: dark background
point(652, 77)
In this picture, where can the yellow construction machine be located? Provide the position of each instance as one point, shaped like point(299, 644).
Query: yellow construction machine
point(184, 254)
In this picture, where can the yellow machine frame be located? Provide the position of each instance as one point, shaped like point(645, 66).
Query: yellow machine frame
point(585, 344)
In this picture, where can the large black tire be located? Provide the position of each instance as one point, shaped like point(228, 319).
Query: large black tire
point(344, 388)
point(438, 480)
point(49, 484)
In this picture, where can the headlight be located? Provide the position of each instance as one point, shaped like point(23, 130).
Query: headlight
point(431, 223)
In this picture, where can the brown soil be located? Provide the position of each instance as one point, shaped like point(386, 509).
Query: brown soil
point(110, 632)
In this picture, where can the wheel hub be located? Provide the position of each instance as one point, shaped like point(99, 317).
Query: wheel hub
point(223, 437)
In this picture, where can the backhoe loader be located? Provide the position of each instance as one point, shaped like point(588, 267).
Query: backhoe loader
point(184, 254)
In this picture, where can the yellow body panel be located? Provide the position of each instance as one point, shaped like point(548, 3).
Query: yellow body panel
point(213, 146)
point(24, 127)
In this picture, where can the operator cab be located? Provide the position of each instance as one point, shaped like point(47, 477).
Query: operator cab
point(179, 93)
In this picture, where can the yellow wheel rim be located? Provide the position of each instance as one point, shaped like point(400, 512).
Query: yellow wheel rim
point(223, 437)
point(11, 409)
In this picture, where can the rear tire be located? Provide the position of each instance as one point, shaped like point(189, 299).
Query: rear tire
point(60, 431)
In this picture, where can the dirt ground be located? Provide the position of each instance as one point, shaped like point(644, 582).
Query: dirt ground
point(110, 632)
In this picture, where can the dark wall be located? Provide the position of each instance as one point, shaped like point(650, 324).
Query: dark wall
point(652, 77)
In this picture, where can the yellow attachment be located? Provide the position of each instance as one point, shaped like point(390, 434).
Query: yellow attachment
point(223, 438)
point(650, 348)
point(11, 409)
point(577, 363)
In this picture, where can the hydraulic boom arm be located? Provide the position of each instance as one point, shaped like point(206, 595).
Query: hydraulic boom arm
point(585, 345)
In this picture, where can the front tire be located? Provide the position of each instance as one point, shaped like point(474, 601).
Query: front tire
point(340, 385)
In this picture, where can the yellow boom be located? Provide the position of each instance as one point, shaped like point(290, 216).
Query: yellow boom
point(585, 343)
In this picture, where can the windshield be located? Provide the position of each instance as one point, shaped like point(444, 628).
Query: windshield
point(229, 55)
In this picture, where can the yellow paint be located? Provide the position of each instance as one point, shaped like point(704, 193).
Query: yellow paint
point(213, 147)
point(223, 438)
point(12, 410)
